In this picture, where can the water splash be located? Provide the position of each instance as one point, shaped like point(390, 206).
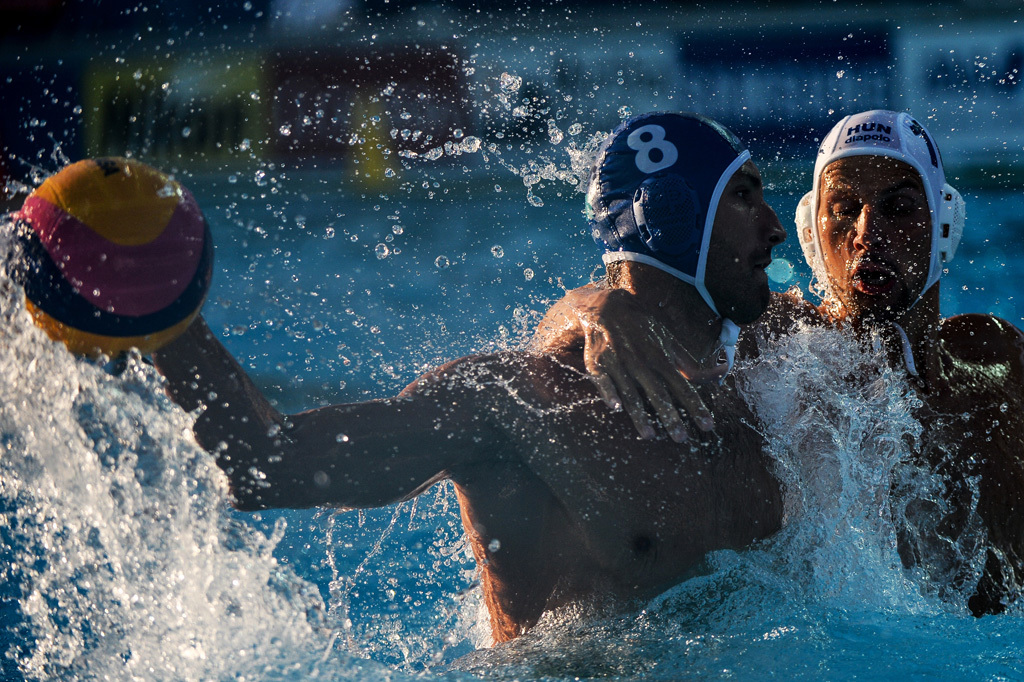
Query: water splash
point(841, 428)
point(121, 559)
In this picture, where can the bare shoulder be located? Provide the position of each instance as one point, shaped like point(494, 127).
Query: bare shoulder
point(983, 339)
point(491, 380)
point(784, 311)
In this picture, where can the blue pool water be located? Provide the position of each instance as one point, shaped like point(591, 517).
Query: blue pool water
point(122, 558)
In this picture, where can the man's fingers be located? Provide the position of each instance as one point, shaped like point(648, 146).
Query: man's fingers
point(631, 380)
point(683, 392)
point(606, 388)
point(667, 413)
point(631, 402)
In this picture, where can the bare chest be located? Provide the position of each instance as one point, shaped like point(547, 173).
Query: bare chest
point(646, 512)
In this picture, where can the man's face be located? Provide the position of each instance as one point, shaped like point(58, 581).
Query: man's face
point(744, 233)
point(875, 229)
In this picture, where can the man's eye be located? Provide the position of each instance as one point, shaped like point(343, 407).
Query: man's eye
point(843, 209)
point(900, 206)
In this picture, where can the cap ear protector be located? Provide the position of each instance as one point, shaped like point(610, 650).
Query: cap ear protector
point(952, 216)
point(665, 213)
point(805, 234)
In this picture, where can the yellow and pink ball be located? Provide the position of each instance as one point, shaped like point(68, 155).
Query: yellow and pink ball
point(116, 255)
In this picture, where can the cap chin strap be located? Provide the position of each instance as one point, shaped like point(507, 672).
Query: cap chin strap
point(730, 334)
point(908, 353)
point(730, 330)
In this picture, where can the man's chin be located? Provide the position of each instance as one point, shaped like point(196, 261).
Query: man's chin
point(878, 308)
point(752, 308)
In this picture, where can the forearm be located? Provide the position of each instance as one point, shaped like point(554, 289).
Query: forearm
point(200, 372)
point(237, 423)
point(358, 455)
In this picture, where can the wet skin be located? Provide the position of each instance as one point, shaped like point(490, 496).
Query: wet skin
point(875, 230)
point(873, 224)
point(561, 500)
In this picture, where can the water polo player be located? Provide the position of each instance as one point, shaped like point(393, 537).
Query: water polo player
point(878, 227)
point(560, 500)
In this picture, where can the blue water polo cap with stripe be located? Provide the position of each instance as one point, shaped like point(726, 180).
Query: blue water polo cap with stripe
point(654, 191)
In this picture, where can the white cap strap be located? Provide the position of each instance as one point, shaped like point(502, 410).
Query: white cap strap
point(730, 334)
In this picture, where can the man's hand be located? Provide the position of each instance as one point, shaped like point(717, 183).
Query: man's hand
point(632, 358)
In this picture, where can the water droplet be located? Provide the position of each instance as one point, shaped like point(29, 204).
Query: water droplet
point(442, 262)
point(528, 274)
point(554, 133)
point(497, 251)
point(285, 130)
point(494, 545)
point(780, 270)
point(341, 438)
point(382, 251)
point(509, 83)
point(625, 112)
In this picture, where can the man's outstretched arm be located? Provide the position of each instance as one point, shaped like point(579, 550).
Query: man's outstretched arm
point(358, 455)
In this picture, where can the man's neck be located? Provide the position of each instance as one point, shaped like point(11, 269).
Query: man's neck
point(677, 305)
point(920, 324)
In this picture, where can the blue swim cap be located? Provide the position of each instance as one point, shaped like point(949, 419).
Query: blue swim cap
point(654, 191)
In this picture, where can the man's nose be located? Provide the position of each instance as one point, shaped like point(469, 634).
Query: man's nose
point(776, 233)
point(868, 231)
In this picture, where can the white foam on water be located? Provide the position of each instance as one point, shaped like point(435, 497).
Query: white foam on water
point(117, 539)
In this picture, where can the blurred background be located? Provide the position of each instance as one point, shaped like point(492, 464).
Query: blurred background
point(325, 83)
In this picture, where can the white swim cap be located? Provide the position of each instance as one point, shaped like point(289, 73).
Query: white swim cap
point(899, 136)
